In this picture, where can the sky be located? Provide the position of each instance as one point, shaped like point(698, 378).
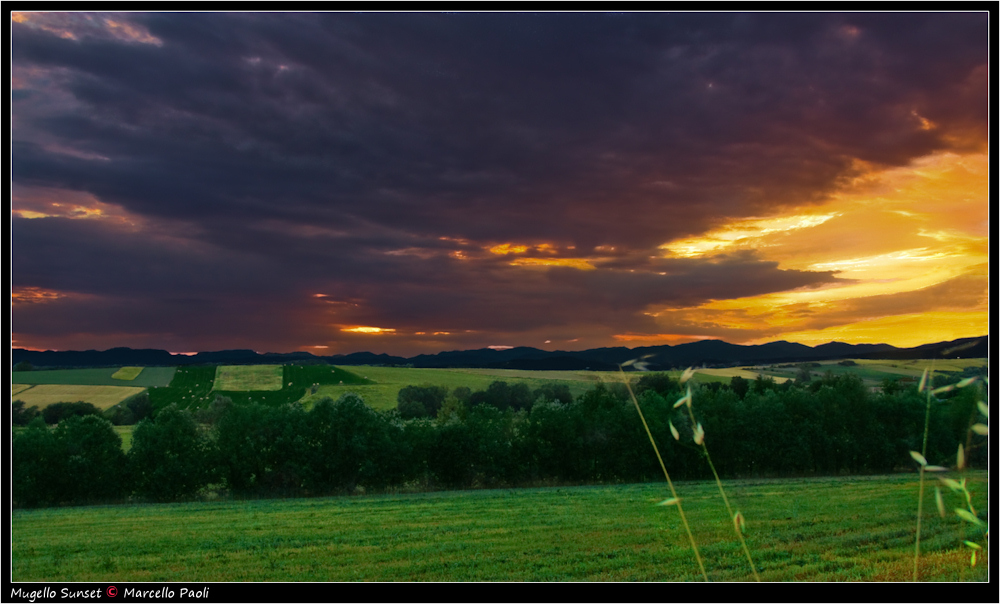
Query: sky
point(418, 182)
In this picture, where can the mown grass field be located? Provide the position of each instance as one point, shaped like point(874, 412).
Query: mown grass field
point(244, 378)
point(127, 373)
point(102, 397)
point(820, 529)
point(150, 377)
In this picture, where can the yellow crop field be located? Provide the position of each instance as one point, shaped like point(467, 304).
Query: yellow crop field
point(16, 388)
point(127, 373)
point(730, 372)
point(916, 366)
point(101, 397)
point(248, 377)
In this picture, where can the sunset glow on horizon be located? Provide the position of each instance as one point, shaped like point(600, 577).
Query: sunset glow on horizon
point(319, 182)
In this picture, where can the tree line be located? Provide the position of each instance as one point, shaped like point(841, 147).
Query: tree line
point(502, 436)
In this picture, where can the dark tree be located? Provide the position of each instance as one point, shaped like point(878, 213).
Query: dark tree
point(740, 386)
point(140, 406)
point(56, 412)
point(553, 391)
point(21, 416)
point(354, 444)
point(96, 467)
point(462, 393)
point(170, 457)
point(660, 383)
point(420, 401)
point(38, 466)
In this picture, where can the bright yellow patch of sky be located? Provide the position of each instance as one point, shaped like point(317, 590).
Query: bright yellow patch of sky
point(508, 248)
point(900, 231)
point(904, 331)
point(368, 330)
point(579, 263)
point(544, 248)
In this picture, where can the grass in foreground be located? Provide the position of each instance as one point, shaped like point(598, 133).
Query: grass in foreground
point(822, 529)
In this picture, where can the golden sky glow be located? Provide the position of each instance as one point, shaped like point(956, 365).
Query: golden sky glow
point(367, 330)
point(908, 233)
point(579, 263)
point(267, 190)
point(33, 295)
point(71, 26)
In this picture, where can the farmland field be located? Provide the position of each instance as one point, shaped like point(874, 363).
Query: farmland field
point(818, 529)
point(127, 373)
point(15, 388)
point(388, 381)
point(874, 371)
point(730, 372)
point(150, 377)
point(189, 386)
point(248, 377)
point(101, 397)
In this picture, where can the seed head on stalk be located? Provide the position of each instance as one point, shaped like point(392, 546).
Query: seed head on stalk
point(674, 499)
point(699, 439)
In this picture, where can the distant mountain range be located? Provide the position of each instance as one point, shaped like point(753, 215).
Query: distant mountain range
point(697, 354)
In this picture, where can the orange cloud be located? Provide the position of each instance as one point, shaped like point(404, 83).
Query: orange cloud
point(33, 295)
point(368, 330)
point(897, 239)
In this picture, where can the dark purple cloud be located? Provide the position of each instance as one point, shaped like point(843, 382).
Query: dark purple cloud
point(274, 156)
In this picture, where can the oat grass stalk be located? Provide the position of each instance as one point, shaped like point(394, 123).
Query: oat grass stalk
point(699, 439)
point(921, 459)
point(675, 500)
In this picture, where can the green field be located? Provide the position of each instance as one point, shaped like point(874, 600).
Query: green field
point(150, 377)
point(242, 378)
point(820, 529)
point(388, 381)
point(127, 373)
point(873, 372)
point(102, 397)
point(125, 432)
point(190, 386)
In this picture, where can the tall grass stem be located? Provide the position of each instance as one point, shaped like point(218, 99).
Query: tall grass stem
point(729, 509)
point(673, 492)
point(923, 452)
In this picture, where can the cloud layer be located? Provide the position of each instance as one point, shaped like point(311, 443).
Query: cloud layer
point(207, 181)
